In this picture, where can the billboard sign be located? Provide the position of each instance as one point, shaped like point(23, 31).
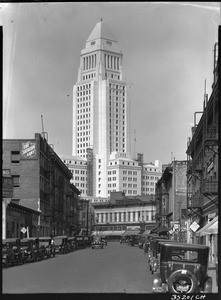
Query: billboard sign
point(28, 150)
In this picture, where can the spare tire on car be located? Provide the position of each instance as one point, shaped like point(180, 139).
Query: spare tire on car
point(182, 281)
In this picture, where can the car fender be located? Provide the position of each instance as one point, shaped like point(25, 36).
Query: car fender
point(157, 282)
point(208, 285)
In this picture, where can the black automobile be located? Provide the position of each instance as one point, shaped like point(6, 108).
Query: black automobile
point(182, 269)
point(46, 246)
point(11, 252)
point(97, 243)
point(72, 243)
point(104, 240)
point(141, 241)
point(30, 247)
point(154, 253)
point(80, 241)
point(61, 244)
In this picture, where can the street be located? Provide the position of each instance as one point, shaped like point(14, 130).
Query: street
point(118, 268)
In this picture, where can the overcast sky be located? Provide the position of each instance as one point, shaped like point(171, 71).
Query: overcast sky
point(168, 54)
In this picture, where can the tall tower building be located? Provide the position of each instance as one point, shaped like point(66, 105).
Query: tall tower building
point(100, 106)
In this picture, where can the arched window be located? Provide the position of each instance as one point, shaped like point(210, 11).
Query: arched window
point(118, 63)
point(89, 62)
point(86, 63)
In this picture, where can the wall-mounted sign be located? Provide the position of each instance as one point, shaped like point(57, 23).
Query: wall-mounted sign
point(6, 172)
point(7, 187)
point(194, 226)
point(28, 150)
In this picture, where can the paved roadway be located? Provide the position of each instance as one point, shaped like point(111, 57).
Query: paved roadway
point(118, 268)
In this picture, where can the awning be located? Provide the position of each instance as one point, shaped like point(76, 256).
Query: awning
point(146, 232)
point(210, 228)
point(116, 233)
point(131, 232)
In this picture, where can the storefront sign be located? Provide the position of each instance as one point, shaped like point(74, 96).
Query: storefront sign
point(7, 187)
point(28, 150)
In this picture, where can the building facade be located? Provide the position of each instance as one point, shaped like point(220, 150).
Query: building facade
point(86, 217)
point(121, 212)
point(171, 200)
point(41, 182)
point(100, 105)
point(202, 175)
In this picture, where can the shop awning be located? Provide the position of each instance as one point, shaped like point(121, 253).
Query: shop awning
point(146, 232)
point(115, 233)
point(131, 232)
point(210, 228)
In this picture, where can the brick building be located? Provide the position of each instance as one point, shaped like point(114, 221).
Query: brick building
point(41, 183)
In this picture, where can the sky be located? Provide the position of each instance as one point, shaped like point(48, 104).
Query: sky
point(167, 57)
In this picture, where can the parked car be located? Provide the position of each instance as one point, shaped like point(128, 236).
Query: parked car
point(183, 269)
point(104, 240)
point(11, 252)
point(80, 242)
point(97, 243)
point(60, 244)
point(30, 247)
point(47, 247)
point(123, 239)
point(155, 253)
point(72, 243)
point(141, 241)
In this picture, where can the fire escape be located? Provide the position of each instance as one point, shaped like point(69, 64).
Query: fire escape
point(202, 155)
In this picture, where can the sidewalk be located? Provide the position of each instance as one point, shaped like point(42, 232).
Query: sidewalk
point(212, 273)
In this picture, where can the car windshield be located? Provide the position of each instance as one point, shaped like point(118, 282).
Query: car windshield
point(187, 255)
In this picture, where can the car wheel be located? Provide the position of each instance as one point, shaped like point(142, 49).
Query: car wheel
point(182, 281)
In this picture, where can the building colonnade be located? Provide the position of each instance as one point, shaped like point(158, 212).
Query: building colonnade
point(124, 216)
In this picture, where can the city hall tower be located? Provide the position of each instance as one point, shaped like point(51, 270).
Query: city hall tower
point(100, 106)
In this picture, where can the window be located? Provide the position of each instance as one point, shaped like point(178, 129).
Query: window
point(15, 157)
point(16, 180)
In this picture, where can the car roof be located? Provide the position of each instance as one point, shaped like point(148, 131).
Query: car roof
point(29, 239)
point(184, 245)
point(45, 238)
point(60, 237)
point(10, 240)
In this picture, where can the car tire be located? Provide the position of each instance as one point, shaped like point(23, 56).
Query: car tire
point(188, 275)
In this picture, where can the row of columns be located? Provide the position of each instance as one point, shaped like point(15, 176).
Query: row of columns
point(89, 62)
point(111, 62)
point(129, 217)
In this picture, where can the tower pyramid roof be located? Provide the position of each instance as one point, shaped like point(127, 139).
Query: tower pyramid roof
point(101, 31)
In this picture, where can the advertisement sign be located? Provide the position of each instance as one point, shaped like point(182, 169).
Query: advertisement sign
point(28, 150)
point(7, 187)
point(6, 172)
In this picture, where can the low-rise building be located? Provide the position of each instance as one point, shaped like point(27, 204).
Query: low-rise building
point(121, 212)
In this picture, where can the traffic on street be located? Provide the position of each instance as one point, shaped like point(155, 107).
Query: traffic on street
point(131, 264)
